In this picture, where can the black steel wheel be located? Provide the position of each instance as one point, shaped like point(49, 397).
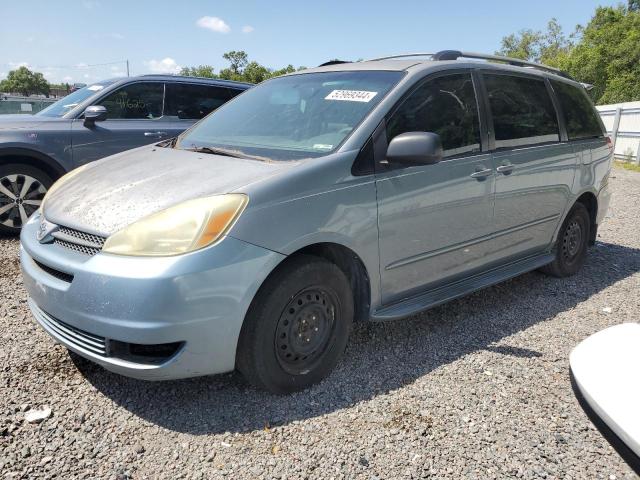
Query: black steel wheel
point(297, 326)
point(572, 243)
point(305, 328)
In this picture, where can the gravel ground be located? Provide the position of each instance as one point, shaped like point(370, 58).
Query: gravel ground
point(477, 388)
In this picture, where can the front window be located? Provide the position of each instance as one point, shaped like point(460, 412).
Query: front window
point(446, 106)
point(68, 103)
point(135, 101)
point(292, 117)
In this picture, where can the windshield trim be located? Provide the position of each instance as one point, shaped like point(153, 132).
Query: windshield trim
point(402, 75)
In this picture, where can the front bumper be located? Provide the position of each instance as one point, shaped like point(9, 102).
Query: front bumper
point(198, 300)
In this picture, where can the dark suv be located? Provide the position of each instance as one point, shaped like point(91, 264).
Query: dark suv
point(94, 122)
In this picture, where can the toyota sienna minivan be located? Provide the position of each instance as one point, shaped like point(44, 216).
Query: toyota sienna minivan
point(363, 191)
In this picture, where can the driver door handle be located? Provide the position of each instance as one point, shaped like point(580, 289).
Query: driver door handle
point(481, 174)
point(155, 134)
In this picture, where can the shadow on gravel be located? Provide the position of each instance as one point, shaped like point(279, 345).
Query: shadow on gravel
point(379, 358)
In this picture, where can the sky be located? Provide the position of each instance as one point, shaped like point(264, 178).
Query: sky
point(62, 38)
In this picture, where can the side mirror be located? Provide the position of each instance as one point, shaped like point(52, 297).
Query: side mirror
point(93, 114)
point(415, 148)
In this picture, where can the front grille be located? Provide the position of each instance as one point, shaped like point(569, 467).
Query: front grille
point(65, 277)
point(81, 242)
point(75, 336)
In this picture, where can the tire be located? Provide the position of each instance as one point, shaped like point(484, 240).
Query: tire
point(297, 326)
point(15, 204)
point(572, 243)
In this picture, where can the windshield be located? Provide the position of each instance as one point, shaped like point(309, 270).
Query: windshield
point(65, 104)
point(292, 117)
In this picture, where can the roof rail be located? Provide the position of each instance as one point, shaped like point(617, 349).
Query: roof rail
point(455, 54)
point(334, 62)
point(403, 55)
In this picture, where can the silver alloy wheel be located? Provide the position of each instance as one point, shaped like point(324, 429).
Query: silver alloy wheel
point(20, 196)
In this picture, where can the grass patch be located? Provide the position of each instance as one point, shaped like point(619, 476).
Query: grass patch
point(634, 167)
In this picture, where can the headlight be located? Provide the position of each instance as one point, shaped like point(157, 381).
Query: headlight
point(186, 227)
point(58, 183)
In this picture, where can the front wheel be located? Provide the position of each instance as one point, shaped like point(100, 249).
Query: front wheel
point(297, 326)
point(22, 188)
point(572, 243)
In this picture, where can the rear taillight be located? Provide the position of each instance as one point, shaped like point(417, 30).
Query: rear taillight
point(610, 144)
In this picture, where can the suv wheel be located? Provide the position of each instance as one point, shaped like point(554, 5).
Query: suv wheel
point(297, 326)
point(22, 188)
point(572, 243)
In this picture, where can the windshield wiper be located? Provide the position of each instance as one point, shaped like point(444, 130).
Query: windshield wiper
point(226, 153)
point(217, 151)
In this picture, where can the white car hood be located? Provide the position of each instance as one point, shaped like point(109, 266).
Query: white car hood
point(606, 369)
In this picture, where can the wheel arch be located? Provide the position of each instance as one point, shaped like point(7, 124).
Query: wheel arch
point(32, 158)
point(590, 201)
point(351, 265)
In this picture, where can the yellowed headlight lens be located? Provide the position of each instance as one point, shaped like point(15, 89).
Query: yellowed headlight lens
point(186, 227)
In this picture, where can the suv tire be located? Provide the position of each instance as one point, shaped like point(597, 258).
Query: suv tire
point(297, 326)
point(17, 202)
point(572, 243)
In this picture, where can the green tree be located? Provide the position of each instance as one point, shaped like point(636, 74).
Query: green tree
point(205, 71)
point(25, 82)
point(536, 45)
point(605, 53)
point(608, 55)
point(241, 69)
point(237, 59)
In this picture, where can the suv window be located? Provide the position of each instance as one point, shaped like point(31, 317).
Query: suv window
point(444, 105)
point(522, 111)
point(135, 101)
point(580, 116)
point(190, 101)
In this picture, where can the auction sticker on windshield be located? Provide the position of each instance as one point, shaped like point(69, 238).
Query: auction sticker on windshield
point(351, 95)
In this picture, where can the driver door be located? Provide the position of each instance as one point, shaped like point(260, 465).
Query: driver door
point(134, 118)
point(435, 221)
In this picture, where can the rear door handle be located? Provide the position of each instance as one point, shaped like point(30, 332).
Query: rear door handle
point(481, 174)
point(505, 169)
point(155, 134)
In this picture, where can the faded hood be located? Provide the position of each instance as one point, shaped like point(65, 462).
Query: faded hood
point(119, 190)
point(20, 121)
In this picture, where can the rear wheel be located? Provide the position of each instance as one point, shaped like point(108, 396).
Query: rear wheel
point(572, 243)
point(22, 188)
point(297, 326)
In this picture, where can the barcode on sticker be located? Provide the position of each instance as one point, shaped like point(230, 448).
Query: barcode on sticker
point(351, 95)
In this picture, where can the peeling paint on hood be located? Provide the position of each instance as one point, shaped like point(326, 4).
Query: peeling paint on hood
point(119, 190)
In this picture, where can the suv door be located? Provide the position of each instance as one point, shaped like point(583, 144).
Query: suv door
point(435, 220)
point(535, 167)
point(134, 118)
point(186, 103)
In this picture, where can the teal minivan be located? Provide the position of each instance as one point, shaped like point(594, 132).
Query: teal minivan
point(361, 191)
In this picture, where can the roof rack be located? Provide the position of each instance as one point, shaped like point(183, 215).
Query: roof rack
point(403, 55)
point(455, 54)
point(334, 62)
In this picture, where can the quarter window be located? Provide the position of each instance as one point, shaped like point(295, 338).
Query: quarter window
point(522, 111)
point(446, 106)
point(194, 102)
point(135, 101)
point(580, 116)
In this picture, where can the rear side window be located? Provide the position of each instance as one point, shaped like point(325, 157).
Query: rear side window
point(444, 105)
point(522, 111)
point(193, 102)
point(580, 116)
point(135, 101)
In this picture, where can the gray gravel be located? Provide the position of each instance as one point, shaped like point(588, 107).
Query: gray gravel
point(477, 388)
